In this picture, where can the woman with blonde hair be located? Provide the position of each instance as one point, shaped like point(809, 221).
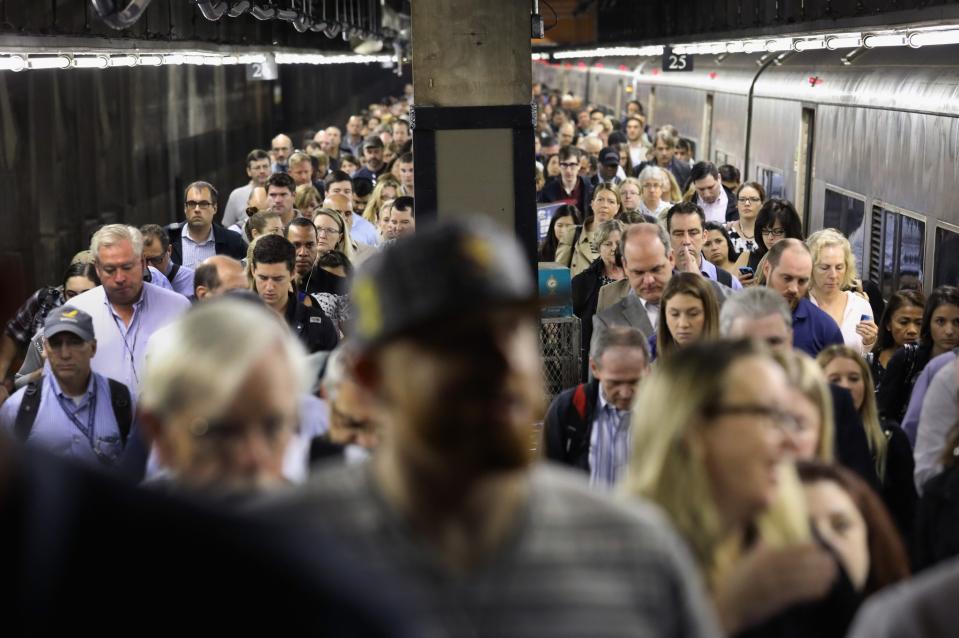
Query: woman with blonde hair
point(888, 444)
point(689, 312)
point(833, 278)
point(307, 200)
point(810, 406)
point(386, 189)
point(672, 193)
point(710, 449)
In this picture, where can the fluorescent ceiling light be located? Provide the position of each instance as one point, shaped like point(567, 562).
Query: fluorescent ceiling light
point(48, 62)
point(885, 40)
point(123, 60)
point(150, 60)
point(91, 62)
point(13, 63)
point(810, 45)
point(779, 44)
point(931, 38)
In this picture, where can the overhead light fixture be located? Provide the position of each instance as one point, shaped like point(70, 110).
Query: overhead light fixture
point(813, 44)
point(123, 60)
point(872, 41)
point(779, 44)
point(48, 62)
point(754, 46)
point(173, 58)
point(932, 38)
point(736, 46)
point(846, 41)
point(91, 62)
point(150, 60)
point(13, 63)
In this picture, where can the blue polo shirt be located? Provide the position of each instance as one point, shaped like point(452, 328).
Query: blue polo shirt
point(813, 329)
point(55, 430)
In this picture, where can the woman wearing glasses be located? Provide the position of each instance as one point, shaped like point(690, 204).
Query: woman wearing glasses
point(711, 450)
point(742, 231)
point(651, 180)
point(777, 220)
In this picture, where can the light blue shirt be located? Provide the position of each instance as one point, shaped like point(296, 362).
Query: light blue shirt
point(121, 349)
point(194, 253)
point(708, 269)
point(55, 432)
point(608, 444)
point(183, 280)
point(157, 279)
point(910, 422)
point(363, 231)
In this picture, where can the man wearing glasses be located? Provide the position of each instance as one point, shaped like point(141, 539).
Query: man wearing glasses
point(157, 251)
point(569, 186)
point(203, 238)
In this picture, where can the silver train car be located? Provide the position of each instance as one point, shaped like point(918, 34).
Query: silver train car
point(870, 147)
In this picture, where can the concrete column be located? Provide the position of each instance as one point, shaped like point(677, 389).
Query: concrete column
point(468, 54)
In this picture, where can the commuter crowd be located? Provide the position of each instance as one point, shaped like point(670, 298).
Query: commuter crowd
point(330, 419)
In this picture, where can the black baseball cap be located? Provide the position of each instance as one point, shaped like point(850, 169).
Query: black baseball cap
point(609, 156)
point(448, 270)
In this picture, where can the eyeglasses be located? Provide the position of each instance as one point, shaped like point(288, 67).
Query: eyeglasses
point(201, 204)
point(776, 418)
point(774, 232)
point(569, 164)
point(321, 230)
point(155, 261)
point(748, 200)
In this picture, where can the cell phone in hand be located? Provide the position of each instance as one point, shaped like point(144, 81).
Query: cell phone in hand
point(746, 270)
point(865, 318)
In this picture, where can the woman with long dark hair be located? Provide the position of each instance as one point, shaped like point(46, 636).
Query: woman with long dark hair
point(564, 217)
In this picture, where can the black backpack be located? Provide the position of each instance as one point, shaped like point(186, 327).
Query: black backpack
point(119, 400)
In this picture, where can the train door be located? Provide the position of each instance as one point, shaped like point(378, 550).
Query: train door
point(804, 164)
point(705, 149)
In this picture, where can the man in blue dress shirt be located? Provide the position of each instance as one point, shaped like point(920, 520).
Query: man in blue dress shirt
point(787, 270)
point(80, 414)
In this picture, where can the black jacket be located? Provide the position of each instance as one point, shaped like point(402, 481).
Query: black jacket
point(226, 241)
point(311, 325)
point(553, 192)
point(569, 423)
point(585, 288)
point(851, 446)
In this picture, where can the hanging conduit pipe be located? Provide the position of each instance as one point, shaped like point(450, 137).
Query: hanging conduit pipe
point(117, 18)
point(213, 10)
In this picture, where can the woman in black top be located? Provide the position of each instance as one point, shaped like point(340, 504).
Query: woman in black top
point(939, 334)
point(564, 217)
point(777, 220)
point(606, 269)
point(901, 324)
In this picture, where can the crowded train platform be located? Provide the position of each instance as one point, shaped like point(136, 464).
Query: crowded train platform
point(667, 395)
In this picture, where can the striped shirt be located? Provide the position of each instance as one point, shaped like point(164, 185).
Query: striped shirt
point(194, 253)
point(577, 563)
point(608, 443)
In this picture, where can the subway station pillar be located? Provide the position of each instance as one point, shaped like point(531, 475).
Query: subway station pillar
point(472, 117)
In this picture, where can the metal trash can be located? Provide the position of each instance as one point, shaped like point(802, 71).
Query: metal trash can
point(560, 343)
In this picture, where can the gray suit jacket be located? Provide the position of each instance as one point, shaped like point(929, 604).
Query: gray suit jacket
point(628, 311)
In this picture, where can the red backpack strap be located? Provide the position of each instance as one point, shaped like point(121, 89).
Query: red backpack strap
point(579, 400)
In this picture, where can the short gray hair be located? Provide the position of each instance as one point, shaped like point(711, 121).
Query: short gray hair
point(753, 303)
point(651, 172)
point(646, 228)
point(113, 234)
point(201, 359)
point(619, 337)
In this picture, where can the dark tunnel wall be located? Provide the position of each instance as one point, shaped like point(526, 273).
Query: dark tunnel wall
point(80, 148)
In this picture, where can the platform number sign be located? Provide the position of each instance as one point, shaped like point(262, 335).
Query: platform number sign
point(674, 62)
point(265, 70)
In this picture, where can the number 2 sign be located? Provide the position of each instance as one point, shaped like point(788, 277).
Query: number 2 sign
point(673, 62)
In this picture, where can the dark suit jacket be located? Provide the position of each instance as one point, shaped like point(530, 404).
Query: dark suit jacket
point(565, 433)
point(227, 242)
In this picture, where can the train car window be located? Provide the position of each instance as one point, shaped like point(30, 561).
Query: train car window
point(847, 214)
point(720, 157)
point(772, 180)
point(947, 257)
point(903, 240)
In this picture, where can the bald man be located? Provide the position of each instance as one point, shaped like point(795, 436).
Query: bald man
point(280, 149)
point(218, 275)
point(342, 204)
point(361, 231)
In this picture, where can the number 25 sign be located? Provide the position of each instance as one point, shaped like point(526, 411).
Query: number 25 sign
point(673, 62)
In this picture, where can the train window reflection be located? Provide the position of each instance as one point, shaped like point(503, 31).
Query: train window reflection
point(903, 242)
point(772, 180)
point(847, 214)
point(947, 257)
